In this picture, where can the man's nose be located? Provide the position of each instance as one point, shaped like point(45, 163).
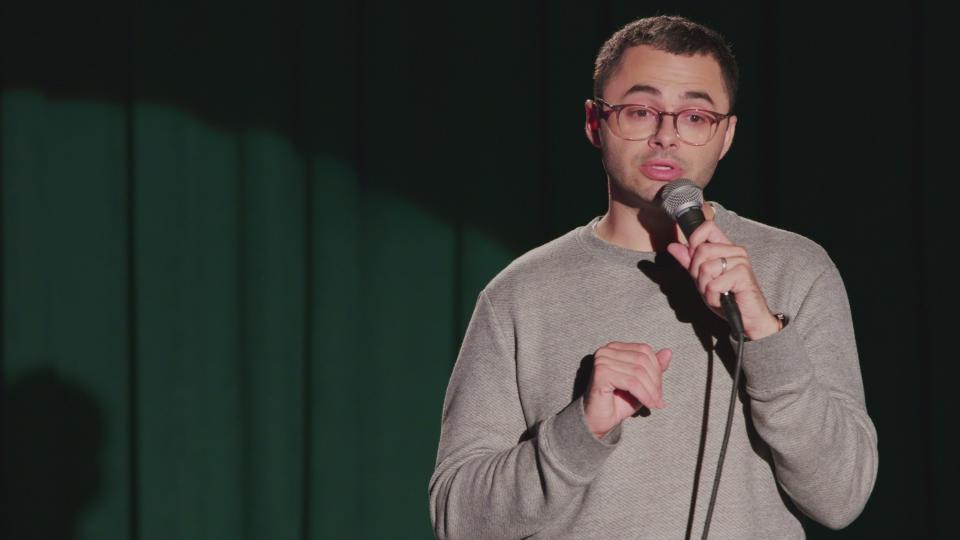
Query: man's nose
point(666, 134)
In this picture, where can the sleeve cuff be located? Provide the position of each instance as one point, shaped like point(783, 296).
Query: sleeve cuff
point(571, 441)
point(776, 360)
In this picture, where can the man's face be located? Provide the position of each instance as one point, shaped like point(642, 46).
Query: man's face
point(667, 82)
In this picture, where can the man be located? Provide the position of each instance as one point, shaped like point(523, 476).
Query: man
point(589, 397)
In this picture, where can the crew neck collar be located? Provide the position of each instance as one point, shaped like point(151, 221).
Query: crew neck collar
point(629, 257)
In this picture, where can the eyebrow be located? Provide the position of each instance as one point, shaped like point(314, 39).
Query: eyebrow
point(692, 94)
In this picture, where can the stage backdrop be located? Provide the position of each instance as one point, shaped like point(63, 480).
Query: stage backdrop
point(241, 240)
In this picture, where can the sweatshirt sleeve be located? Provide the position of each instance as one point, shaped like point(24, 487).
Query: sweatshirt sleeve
point(807, 403)
point(487, 483)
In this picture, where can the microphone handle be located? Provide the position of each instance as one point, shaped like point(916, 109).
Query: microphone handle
point(689, 220)
point(730, 309)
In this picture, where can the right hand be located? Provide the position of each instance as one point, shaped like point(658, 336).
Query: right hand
point(626, 377)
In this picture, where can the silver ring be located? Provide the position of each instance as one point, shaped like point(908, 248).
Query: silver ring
point(723, 265)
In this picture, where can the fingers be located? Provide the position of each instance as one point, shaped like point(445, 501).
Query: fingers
point(632, 381)
point(628, 374)
point(707, 232)
point(706, 243)
point(706, 255)
point(713, 270)
point(705, 263)
point(664, 356)
point(704, 258)
point(633, 367)
point(641, 364)
point(681, 253)
point(711, 289)
point(627, 346)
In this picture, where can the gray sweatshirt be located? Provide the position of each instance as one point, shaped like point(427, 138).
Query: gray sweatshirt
point(516, 458)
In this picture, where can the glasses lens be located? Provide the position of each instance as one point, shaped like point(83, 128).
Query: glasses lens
point(696, 127)
point(636, 122)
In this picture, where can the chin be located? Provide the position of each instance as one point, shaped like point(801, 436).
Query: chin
point(641, 200)
point(651, 195)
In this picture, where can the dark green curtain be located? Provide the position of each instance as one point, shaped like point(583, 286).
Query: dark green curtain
point(241, 240)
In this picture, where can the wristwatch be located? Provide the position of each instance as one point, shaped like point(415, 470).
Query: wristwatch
point(782, 319)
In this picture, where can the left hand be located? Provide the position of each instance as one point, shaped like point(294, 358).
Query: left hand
point(702, 258)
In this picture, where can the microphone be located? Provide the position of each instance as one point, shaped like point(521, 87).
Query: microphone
point(681, 200)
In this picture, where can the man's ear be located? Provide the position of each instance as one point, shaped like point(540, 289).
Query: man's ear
point(728, 135)
point(591, 124)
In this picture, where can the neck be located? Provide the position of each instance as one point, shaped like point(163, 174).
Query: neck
point(647, 228)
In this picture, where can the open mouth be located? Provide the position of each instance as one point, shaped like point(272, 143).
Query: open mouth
point(659, 170)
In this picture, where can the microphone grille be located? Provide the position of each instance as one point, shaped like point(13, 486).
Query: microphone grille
point(680, 195)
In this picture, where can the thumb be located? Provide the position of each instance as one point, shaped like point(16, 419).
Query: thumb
point(664, 356)
point(681, 253)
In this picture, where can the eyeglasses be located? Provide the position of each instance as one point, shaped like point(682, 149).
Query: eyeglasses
point(638, 122)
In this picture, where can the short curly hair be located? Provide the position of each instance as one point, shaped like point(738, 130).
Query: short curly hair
point(672, 34)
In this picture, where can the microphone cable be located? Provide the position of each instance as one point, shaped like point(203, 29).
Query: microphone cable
point(682, 199)
point(726, 436)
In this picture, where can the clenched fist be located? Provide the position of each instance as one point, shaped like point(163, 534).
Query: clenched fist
point(626, 376)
